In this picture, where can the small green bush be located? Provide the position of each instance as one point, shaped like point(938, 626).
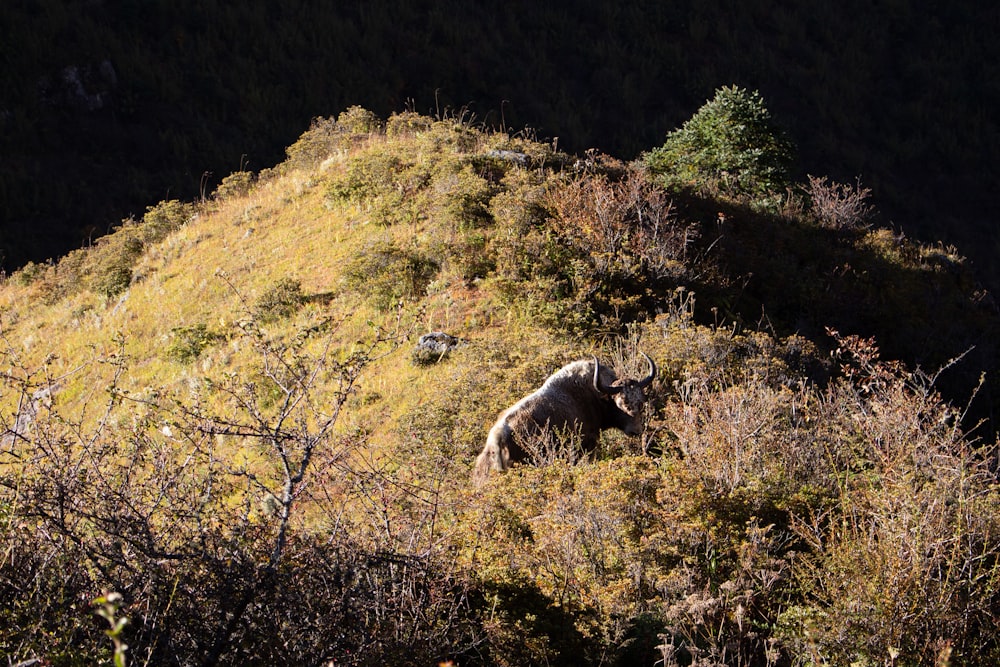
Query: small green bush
point(280, 300)
point(357, 120)
point(407, 123)
point(316, 144)
point(53, 282)
point(386, 183)
point(387, 274)
point(107, 267)
point(463, 196)
point(730, 144)
point(109, 264)
point(165, 218)
point(28, 274)
point(187, 343)
point(466, 255)
point(326, 136)
point(237, 184)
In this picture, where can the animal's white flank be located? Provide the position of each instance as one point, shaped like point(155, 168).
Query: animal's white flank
point(584, 397)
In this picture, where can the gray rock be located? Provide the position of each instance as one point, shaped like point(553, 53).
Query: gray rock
point(434, 346)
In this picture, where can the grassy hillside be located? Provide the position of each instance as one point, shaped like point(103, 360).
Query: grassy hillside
point(217, 413)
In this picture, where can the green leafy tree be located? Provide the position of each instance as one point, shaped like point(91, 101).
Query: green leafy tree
point(730, 144)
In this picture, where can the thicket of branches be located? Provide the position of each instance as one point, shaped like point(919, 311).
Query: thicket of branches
point(238, 524)
point(781, 523)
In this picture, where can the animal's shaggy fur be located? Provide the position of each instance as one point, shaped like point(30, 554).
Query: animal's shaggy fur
point(583, 397)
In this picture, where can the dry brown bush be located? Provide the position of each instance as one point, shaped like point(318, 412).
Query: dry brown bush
point(839, 205)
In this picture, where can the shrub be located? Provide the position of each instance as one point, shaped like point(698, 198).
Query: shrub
point(627, 226)
point(357, 120)
point(407, 123)
point(66, 277)
point(387, 274)
point(603, 248)
point(109, 263)
point(187, 343)
point(385, 182)
point(107, 267)
point(326, 136)
point(518, 206)
point(237, 184)
point(730, 144)
point(465, 254)
point(839, 205)
point(321, 140)
point(165, 218)
point(28, 274)
point(463, 197)
point(576, 534)
point(207, 548)
point(280, 300)
point(368, 175)
point(904, 565)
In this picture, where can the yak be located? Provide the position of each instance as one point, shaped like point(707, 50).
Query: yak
point(583, 397)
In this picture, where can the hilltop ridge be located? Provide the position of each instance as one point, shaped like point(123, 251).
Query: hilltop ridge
point(899, 94)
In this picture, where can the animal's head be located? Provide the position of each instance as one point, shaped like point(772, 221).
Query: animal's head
point(628, 394)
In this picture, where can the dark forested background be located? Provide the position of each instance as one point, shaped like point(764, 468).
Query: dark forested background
point(107, 106)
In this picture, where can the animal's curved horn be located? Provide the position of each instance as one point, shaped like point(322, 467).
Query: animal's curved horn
point(646, 381)
point(602, 389)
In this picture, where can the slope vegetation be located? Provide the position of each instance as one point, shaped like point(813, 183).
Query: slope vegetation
point(218, 414)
